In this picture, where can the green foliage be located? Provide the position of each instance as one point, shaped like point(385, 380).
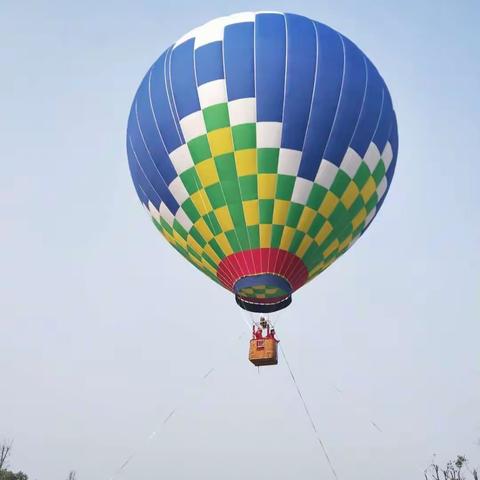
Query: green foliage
point(6, 475)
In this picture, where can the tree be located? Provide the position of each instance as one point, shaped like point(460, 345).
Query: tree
point(454, 470)
point(5, 450)
point(5, 475)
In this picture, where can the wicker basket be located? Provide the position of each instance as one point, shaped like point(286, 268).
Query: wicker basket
point(263, 352)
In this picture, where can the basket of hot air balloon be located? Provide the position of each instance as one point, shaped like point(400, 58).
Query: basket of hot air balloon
point(263, 352)
point(262, 145)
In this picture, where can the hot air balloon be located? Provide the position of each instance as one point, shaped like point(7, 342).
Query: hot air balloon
point(262, 145)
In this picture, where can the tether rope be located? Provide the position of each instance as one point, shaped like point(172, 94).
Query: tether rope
point(307, 411)
point(153, 434)
point(355, 408)
point(150, 437)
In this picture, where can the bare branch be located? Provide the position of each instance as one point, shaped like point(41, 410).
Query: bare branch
point(453, 470)
point(5, 451)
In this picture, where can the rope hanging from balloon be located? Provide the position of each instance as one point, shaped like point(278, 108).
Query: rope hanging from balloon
point(307, 411)
point(166, 419)
point(151, 436)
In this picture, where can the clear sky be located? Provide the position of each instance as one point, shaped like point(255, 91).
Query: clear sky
point(105, 328)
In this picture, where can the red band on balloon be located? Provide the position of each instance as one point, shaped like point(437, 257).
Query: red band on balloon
point(260, 261)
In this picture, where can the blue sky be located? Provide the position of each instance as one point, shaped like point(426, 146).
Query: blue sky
point(105, 329)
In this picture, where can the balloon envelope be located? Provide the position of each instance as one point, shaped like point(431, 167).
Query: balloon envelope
point(262, 145)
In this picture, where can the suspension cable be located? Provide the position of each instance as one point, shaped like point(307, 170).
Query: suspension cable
point(307, 411)
point(247, 320)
